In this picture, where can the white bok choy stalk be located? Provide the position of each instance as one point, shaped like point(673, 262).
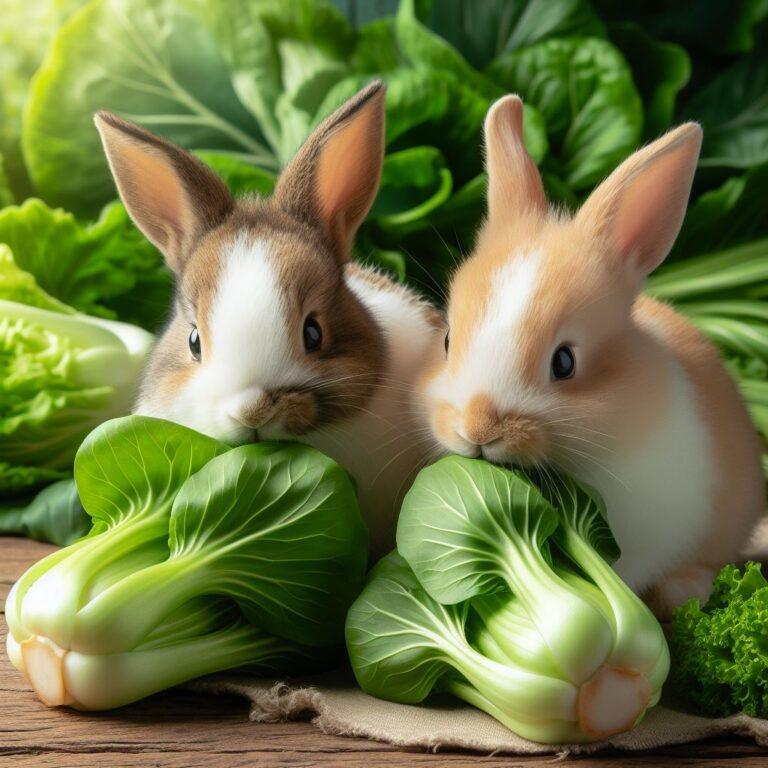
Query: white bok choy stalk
point(202, 558)
point(503, 595)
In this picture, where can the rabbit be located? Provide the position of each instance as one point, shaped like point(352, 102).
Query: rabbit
point(555, 358)
point(275, 333)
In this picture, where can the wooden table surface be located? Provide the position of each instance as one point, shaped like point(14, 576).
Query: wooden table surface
point(183, 730)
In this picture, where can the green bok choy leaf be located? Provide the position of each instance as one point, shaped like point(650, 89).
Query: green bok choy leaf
point(503, 595)
point(201, 558)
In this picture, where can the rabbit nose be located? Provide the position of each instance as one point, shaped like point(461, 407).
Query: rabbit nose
point(252, 408)
point(481, 423)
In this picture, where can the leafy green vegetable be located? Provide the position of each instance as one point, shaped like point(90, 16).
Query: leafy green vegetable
point(414, 182)
point(149, 60)
point(17, 480)
point(61, 374)
point(719, 649)
point(6, 196)
point(260, 79)
point(264, 72)
point(584, 90)
point(376, 49)
point(426, 50)
point(283, 58)
point(423, 48)
point(706, 25)
point(54, 515)
point(504, 596)
point(106, 268)
point(732, 214)
point(26, 26)
point(660, 71)
point(483, 31)
point(20, 286)
point(733, 110)
point(719, 274)
point(241, 177)
point(208, 556)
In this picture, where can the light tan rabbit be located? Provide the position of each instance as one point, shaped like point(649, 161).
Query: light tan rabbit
point(274, 333)
point(556, 358)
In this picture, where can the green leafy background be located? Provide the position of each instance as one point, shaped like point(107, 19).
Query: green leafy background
point(242, 83)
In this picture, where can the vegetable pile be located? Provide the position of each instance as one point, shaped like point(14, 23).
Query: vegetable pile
point(720, 650)
point(503, 595)
point(201, 558)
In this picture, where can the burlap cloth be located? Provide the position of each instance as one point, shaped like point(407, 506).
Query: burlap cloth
point(335, 705)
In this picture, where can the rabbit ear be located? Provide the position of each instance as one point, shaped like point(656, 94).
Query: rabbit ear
point(333, 179)
point(514, 183)
point(640, 207)
point(170, 195)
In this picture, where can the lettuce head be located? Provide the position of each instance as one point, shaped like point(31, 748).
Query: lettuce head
point(61, 374)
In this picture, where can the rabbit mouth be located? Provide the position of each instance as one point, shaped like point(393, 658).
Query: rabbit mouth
point(274, 431)
point(499, 452)
point(526, 449)
point(495, 451)
point(277, 415)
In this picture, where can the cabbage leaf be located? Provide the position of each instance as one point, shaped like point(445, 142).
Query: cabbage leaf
point(105, 268)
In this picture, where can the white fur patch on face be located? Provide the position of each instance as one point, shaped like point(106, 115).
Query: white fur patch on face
point(250, 338)
point(491, 365)
point(249, 351)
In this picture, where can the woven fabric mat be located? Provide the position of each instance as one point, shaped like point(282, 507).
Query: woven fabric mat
point(335, 705)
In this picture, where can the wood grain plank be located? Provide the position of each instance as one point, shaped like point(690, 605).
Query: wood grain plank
point(181, 729)
point(256, 757)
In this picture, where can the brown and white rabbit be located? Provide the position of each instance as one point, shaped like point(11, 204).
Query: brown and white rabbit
point(274, 333)
point(556, 358)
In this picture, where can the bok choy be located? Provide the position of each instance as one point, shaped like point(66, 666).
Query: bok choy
point(503, 595)
point(201, 558)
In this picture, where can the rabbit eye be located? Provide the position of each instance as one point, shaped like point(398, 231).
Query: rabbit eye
point(313, 335)
point(447, 342)
point(563, 363)
point(194, 344)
